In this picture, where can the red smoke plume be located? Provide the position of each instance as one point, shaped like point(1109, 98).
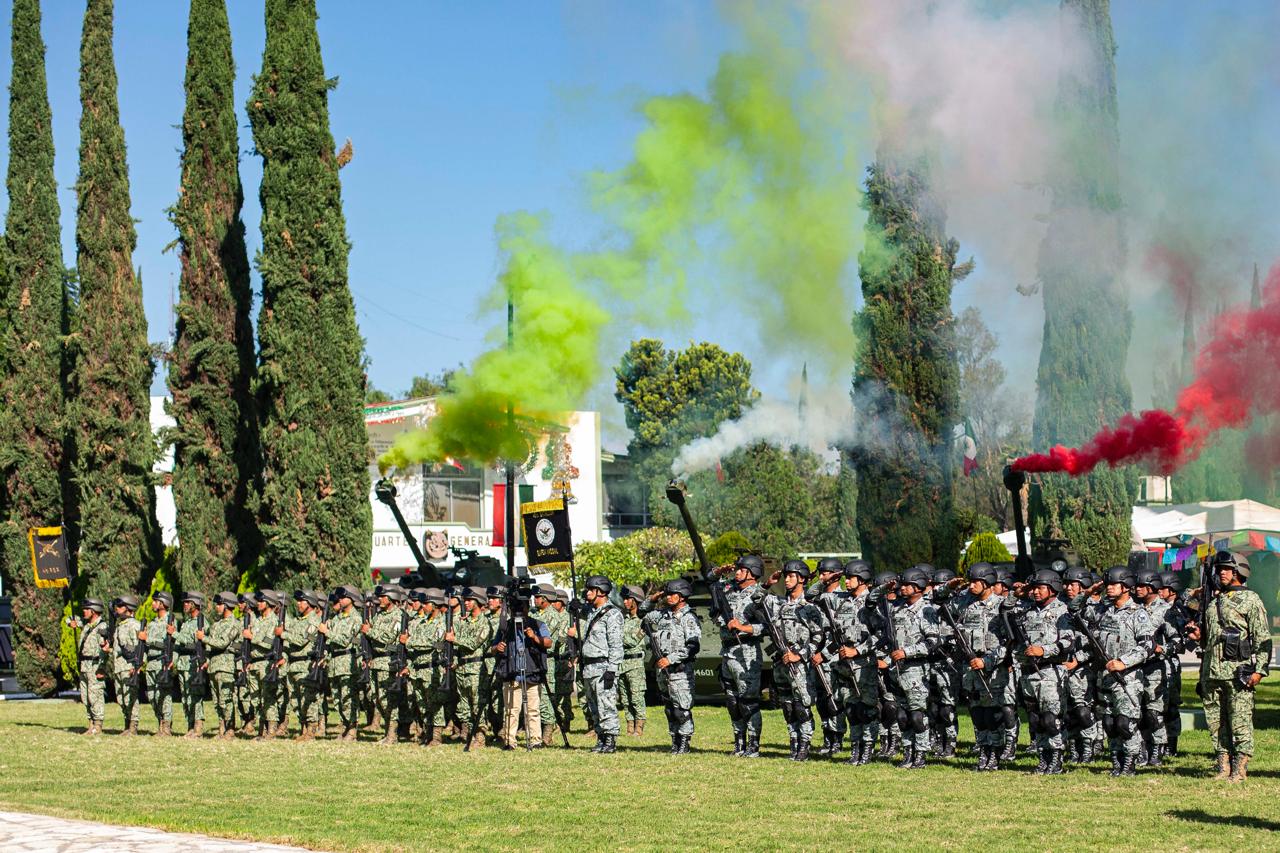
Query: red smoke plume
point(1237, 376)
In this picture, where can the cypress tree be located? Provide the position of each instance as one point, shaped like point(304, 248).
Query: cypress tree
point(212, 363)
point(906, 379)
point(1081, 383)
point(31, 401)
point(109, 405)
point(316, 520)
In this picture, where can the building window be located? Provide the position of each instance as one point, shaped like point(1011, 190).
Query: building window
point(452, 495)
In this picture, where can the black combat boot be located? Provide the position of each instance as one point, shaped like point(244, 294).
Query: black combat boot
point(993, 763)
point(1087, 752)
point(824, 751)
point(855, 751)
point(1129, 766)
point(795, 745)
point(739, 743)
point(609, 744)
point(1010, 752)
point(675, 744)
point(1117, 763)
point(1043, 764)
point(1157, 756)
point(1055, 763)
point(949, 746)
point(865, 755)
point(1073, 751)
point(802, 749)
point(908, 757)
point(1172, 749)
point(917, 758)
point(986, 757)
point(752, 749)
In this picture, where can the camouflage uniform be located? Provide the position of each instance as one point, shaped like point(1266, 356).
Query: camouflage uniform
point(344, 666)
point(1125, 633)
point(269, 691)
point(740, 664)
point(472, 639)
point(834, 724)
point(490, 689)
point(384, 629)
point(677, 635)
point(299, 640)
point(184, 644)
point(1226, 704)
point(601, 654)
point(978, 620)
point(559, 678)
point(221, 642)
point(1154, 677)
point(91, 662)
point(426, 674)
point(122, 647)
point(801, 626)
point(161, 699)
point(857, 688)
point(631, 677)
point(1040, 683)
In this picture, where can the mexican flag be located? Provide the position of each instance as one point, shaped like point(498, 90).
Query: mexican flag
point(965, 444)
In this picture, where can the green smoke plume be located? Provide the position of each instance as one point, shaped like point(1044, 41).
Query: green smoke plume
point(754, 183)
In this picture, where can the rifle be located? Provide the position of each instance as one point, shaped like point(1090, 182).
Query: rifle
point(825, 606)
point(477, 713)
point(1016, 633)
point(944, 610)
point(720, 610)
point(138, 667)
point(366, 648)
point(246, 650)
point(277, 649)
point(1098, 653)
point(827, 703)
point(164, 678)
point(446, 650)
point(399, 660)
point(318, 676)
point(200, 677)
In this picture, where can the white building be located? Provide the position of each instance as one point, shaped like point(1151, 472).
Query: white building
point(454, 505)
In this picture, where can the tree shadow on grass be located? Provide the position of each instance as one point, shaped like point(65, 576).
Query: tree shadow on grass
point(1246, 821)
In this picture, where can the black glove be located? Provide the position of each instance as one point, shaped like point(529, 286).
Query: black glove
point(608, 680)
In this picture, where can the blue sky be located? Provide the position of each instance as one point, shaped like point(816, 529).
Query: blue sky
point(458, 112)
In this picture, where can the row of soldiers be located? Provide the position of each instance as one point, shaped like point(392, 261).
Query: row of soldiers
point(888, 658)
point(377, 654)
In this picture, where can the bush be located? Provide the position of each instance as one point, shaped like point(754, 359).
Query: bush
point(985, 548)
point(726, 547)
point(646, 557)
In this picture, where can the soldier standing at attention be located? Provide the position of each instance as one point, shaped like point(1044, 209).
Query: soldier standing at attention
point(342, 631)
point(601, 661)
point(470, 637)
point(490, 689)
point(740, 661)
point(1046, 628)
point(831, 594)
point(155, 633)
point(566, 664)
point(123, 646)
point(220, 642)
point(262, 634)
point(557, 621)
point(184, 644)
point(1235, 656)
point(1125, 633)
point(800, 625)
point(426, 640)
point(299, 640)
point(677, 635)
point(857, 687)
point(247, 693)
point(383, 631)
point(631, 680)
point(1167, 640)
point(91, 658)
point(915, 628)
point(1171, 591)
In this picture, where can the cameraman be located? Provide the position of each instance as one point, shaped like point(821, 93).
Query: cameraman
point(521, 645)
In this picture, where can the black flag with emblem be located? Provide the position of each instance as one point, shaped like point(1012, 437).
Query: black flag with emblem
point(547, 541)
point(49, 557)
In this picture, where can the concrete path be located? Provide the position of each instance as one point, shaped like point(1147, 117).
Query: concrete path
point(20, 833)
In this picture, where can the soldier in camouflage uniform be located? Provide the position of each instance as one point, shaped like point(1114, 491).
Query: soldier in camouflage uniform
point(91, 662)
point(915, 638)
point(268, 689)
point(631, 678)
point(601, 661)
point(985, 679)
point(1081, 726)
point(1009, 711)
point(1126, 635)
point(828, 597)
point(1171, 587)
point(426, 668)
point(557, 622)
point(123, 645)
point(154, 635)
point(740, 662)
point(566, 667)
point(246, 692)
point(1042, 640)
point(800, 626)
point(891, 695)
point(299, 641)
point(192, 683)
point(383, 631)
point(221, 640)
point(470, 637)
point(490, 689)
point(944, 676)
point(1154, 674)
point(1235, 656)
point(852, 646)
point(342, 632)
point(675, 635)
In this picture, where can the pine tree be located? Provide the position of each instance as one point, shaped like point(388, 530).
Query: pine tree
point(316, 520)
point(906, 380)
point(212, 363)
point(1081, 384)
point(31, 401)
point(109, 403)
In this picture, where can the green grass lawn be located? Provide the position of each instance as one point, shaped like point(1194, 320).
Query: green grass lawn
point(361, 796)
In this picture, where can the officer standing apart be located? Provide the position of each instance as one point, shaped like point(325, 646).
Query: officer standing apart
point(1236, 655)
point(90, 660)
point(677, 636)
point(601, 661)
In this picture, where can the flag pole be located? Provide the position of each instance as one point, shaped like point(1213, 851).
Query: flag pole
point(510, 523)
